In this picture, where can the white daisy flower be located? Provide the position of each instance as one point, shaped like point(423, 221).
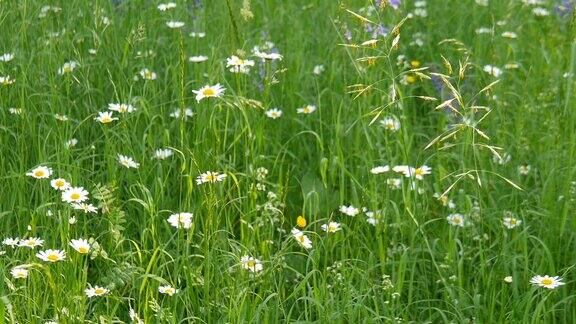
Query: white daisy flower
point(40, 172)
point(105, 117)
point(60, 184)
point(6, 80)
point(349, 210)
point(331, 227)
point(210, 177)
point(175, 24)
point(181, 220)
point(86, 208)
point(95, 291)
point(51, 255)
point(81, 246)
point(166, 6)
point(380, 169)
point(547, 281)
point(147, 74)
point(128, 162)
point(455, 220)
point(511, 222)
point(167, 290)
point(493, 70)
point(7, 57)
point(68, 67)
point(390, 123)
point(19, 273)
point(198, 34)
point(11, 242)
point(274, 113)
point(251, 264)
point(238, 65)
point(162, 154)
point(209, 92)
point(121, 107)
point(198, 59)
point(31, 242)
point(74, 195)
point(308, 109)
point(178, 112)
point(301, 238)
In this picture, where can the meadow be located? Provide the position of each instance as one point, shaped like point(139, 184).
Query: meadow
point(288, 161)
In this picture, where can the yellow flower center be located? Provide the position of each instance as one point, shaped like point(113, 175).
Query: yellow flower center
point(59, 183)
point(52, 257)
point(456, 220)
point(300, 238)
point(99, 291)
point(251, 263)
point(410, 79)
point(513, 221)
point(39, 173)
point(83, 250)
point(75, 196)
point(208, 92)
point(547, 281)
point(211, 177)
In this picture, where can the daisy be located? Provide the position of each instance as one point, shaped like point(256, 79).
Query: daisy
point(60, 184)
point(380, 169)
point(493, 70)
point(394, 183)
point(121, 107)
point(509, 34)
point(168, 290)
point(251, 264)
point(541, 12)
point(349, 210)
point(511, 222)
point(71, 143)
point(198, 59)
point(209, 92)
point(175, 24)
point(210, 177)
point(31, 242)
point(238, 65)
point(331, 227)
point(420, 172)
point(318, 69)
point(19, 273)
point(162, 154)
point(547, 281)
point(12, 242)
point(181, 220)
point(274, 113)
point(178, 112)
point(166, 6)
point(301, 238)
point(147, 74)
point(390, 123)
point(456, 220)
point(81, 246)
point(60, 117)
point(508, 279)
point(6, 57)
point(68, 67)
point(268, 56)
point(524, 169)
point(198, 34)
point(6, 80)
point(40, 172)
point(105, 117)
point(128, 162)
point(308, 109)
point(374, 217)
point(86, 208)
point(74, 195)
point(15, 111)
point(95, 291)
point(51, 255)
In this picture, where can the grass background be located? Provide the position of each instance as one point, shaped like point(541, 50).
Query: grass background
point(411, 267)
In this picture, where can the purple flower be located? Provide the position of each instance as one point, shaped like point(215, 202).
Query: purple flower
point(394, 3)
point(565, 8)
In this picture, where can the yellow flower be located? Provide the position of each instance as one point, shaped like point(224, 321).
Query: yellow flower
point(301, 221)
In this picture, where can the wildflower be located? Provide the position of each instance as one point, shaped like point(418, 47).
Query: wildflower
point(86, 208)
point(15, 111)
point(7, 57)
point(238, 65)
point(167, 290)
point(105, 117)
point(166, 6)
point(71, 143)
point(72, 220)
point(547, 281)
point(267, 56)
point(511, 222)
point(186, 113)
point(62, 118)
point(134, 317)
point(394, 183)
point(524, 169)
point(390, 123)
point(60, 184)
point(445, 201)
point(68, 67)
point(31, 242)
point(493, 70)
point(301, 238)
point(508, 279)
point(349, 210)
point(301, 221)
point(181, 220)
point(331, 227)
point(274, 113)
point(81, 246)
point(12, 242)
point(198, 34)
point(198, 59)
point(501, 159)
point(95, 291)
point(210, 177)
point(162, 154)
point(420, 172)
point(40, 172)
point(374, 217)
point(209, 92)
point(147, 74)
point(51, 255)
point(509, 34)
point(74, 195)
point(484, 30)
point(540, 12)
point(308, 109)
point(19, 273)
point(380, 169)
point(318, 69)
point(175, 24)
point(121, 107)
point(251, 264)
point(456, 220)
point(128, 162)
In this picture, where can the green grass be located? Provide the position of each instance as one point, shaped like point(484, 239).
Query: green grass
point(412, 266)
